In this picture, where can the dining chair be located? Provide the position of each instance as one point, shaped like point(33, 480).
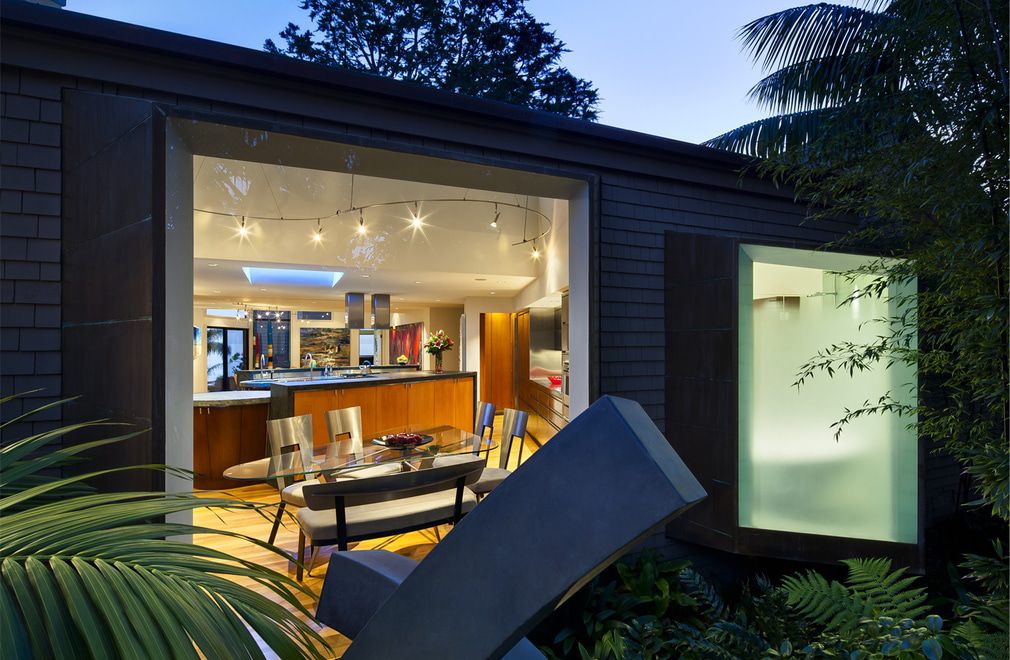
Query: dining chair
point(513, 428)
point(484, 423)
point(286, 435)
point(344, 430)
point(351, 510)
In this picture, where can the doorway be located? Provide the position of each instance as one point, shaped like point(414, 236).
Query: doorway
point(226, 356)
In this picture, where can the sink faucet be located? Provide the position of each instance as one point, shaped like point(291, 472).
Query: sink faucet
point(308, 363)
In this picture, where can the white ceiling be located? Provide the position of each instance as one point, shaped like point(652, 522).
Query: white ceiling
point(454, 254)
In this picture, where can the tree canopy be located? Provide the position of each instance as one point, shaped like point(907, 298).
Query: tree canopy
point(896, 113)
point(492, 49)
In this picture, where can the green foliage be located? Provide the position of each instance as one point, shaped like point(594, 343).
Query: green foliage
point(488, 49)
point(984, 626)
point(897, 113)
point(87, 574)
point(873, 590)
point(660, 609)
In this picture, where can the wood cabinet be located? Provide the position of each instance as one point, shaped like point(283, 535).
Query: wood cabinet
point(316, 403)
point(547, 408)
point(463, 404)
point(394, 407)
point(421, 405)
point(224, 436)
point(364, 398)
point(444, 403)
point(391, 409)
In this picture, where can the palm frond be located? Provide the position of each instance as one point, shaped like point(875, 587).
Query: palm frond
point(773, 135)
point(824, 82)
point(809, 32)
point(98, 574)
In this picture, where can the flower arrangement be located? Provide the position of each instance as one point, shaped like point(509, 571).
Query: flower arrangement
point(436, 344)
point(402, 359)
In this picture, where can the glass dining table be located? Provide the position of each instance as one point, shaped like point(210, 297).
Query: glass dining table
point(336, 462)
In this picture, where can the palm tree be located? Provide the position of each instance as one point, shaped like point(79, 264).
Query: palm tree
point(89, 574)
point(911, 65)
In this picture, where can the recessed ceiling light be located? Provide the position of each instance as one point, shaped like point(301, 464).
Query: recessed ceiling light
point(416, 282)
point(262, 289)
point(212, 265)
point(366, 276)
point(217, 290)
point(492, 293)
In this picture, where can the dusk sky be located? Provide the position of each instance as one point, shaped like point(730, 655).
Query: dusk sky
point(670, 68)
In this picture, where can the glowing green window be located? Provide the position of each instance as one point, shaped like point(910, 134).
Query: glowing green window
point(794, 475)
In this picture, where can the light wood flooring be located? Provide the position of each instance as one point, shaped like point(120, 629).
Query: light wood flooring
point(415, 545)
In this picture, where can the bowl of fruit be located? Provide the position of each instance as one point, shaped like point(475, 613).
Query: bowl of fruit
point(403, 440)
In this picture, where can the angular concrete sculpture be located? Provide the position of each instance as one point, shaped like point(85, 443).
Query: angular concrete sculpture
point(597, 488)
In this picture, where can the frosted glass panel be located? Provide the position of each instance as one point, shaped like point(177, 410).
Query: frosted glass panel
point(794, 475)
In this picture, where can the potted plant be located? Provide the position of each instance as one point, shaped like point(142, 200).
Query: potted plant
point(436, 344)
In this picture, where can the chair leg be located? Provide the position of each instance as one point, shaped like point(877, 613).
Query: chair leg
point(438, 534)
point(277, 522)
point(301, 553)
point(312, 560)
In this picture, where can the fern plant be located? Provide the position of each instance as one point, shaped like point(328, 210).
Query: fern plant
point(872, 590)
point(88, 574)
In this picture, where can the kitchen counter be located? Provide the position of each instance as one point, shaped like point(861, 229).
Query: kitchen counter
point(389, 402)
point(224, 399)
point(320, 382)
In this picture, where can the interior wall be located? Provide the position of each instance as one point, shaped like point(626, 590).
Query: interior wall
point(446, 318)
point(552, 269)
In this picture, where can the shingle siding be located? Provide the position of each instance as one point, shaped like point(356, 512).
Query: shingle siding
point(29, 232)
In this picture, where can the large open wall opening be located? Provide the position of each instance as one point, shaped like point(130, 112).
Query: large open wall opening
point(270, 231)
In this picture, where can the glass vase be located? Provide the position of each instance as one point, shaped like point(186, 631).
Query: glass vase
point(438, 363)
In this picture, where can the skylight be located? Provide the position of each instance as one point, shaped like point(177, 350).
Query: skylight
point(291, 276)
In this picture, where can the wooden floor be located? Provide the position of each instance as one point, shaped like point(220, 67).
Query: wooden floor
point(415, 545)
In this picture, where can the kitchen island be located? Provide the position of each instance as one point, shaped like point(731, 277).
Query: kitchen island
point(390, 402)
point(228, 428)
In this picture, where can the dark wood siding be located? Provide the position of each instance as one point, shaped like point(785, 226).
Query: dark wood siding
point(111, 318)
point(701, 378)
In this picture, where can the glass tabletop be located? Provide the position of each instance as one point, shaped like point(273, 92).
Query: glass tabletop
point(335, 459)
